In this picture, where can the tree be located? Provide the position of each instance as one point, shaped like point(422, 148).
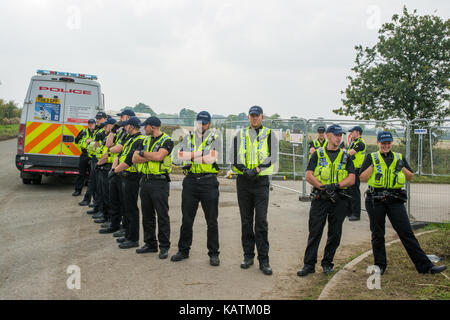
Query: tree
point(405, 75)
point(9, 110)
point(188, 116)
point(142, 108)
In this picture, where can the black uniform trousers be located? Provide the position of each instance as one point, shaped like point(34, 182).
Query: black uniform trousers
point(92, 184)
point(206, 191)
point(396, 212)
point(320, 212)
point(103, 191)
point(116, 201)
point(356, 196)
point(130, 188)
point(155, 202)
point(253, 200)
point(83, 170)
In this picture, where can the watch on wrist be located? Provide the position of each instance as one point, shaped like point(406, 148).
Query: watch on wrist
point(141, 153)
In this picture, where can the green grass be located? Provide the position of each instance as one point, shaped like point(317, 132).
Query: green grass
point(443, 226)
point(401, 280)
point(8, 131)
point(431, 179)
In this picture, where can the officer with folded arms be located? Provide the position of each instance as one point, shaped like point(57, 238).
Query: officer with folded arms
point(93, 143)
point(123, 166)
point(199, 152)
point(83, 164)
point(387, 173)
point(330, 171)
point(154, 163)
point(255, 153)
point(357, 151)
point(115, 142)
point(104, 165)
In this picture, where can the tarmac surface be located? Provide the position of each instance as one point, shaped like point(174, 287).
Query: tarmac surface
point(44, 231)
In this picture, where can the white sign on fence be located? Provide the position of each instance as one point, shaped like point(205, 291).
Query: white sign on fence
point(296, 138)
point(420, 131)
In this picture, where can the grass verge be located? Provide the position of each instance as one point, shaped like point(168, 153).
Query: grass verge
point(8, 131)
point(401, 280)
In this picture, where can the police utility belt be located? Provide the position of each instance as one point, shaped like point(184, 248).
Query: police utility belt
point(105, 167)
point(127, 174)
point(317, 194)
point(147, 177)
point(381, 194)
point(199, 176)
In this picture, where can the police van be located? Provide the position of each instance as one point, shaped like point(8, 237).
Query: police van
point(57, 107)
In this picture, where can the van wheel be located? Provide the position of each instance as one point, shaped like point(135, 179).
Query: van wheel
point(37, 180)
point(26, 181)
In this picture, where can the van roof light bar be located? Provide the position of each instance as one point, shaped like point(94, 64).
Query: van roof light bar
point(67, 74)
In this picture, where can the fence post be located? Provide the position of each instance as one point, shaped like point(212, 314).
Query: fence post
point(305, 157)
point(408, 158)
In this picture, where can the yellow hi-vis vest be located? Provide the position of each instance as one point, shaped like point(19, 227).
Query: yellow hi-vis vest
point(317, 144)
point(91, 148)
point(206, 145)
point(126, 150)
point(253, 154)
point(328, 172)
point(86, 135)
point(384, 177)
point(156, 167)
point(104, 149)
point(360, 155)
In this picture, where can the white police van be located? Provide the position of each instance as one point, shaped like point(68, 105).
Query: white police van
point(57, 107)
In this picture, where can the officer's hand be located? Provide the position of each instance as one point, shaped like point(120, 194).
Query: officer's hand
point(111, 173)
point(250, 173)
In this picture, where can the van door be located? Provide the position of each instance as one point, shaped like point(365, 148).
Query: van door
point(44, 120)
point(81, 104)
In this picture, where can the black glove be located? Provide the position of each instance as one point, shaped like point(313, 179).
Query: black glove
point(330, 190)
point(250, 173)
point(400, 165)
point(116, 127)
point(111, 173)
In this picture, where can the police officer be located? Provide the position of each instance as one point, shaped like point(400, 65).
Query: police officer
point(321, 141)
point(357, 151)
point(329, 171)
point(199, 152)
point(104, 165)
point(83, 164)
point(123, 165)
point(386, 173)
point(92, 144)
point(115, 143)
point(155, 163)
point(254, 150)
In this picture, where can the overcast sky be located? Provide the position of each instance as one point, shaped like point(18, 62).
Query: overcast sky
point(290, 57)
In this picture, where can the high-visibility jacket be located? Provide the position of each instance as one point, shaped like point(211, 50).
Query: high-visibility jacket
point(126, 150)
point(317, 143)
point(86, 135)
point(328, 172)
point(156, 167)
point(91, 146)
point(207, 143)
point(384, 176)
point(359, 155)
point(253, 154)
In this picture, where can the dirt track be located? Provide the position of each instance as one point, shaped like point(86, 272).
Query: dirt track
point(43, 231)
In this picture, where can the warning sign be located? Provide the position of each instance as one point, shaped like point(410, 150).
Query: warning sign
point(47, 109)
point(79, 114)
